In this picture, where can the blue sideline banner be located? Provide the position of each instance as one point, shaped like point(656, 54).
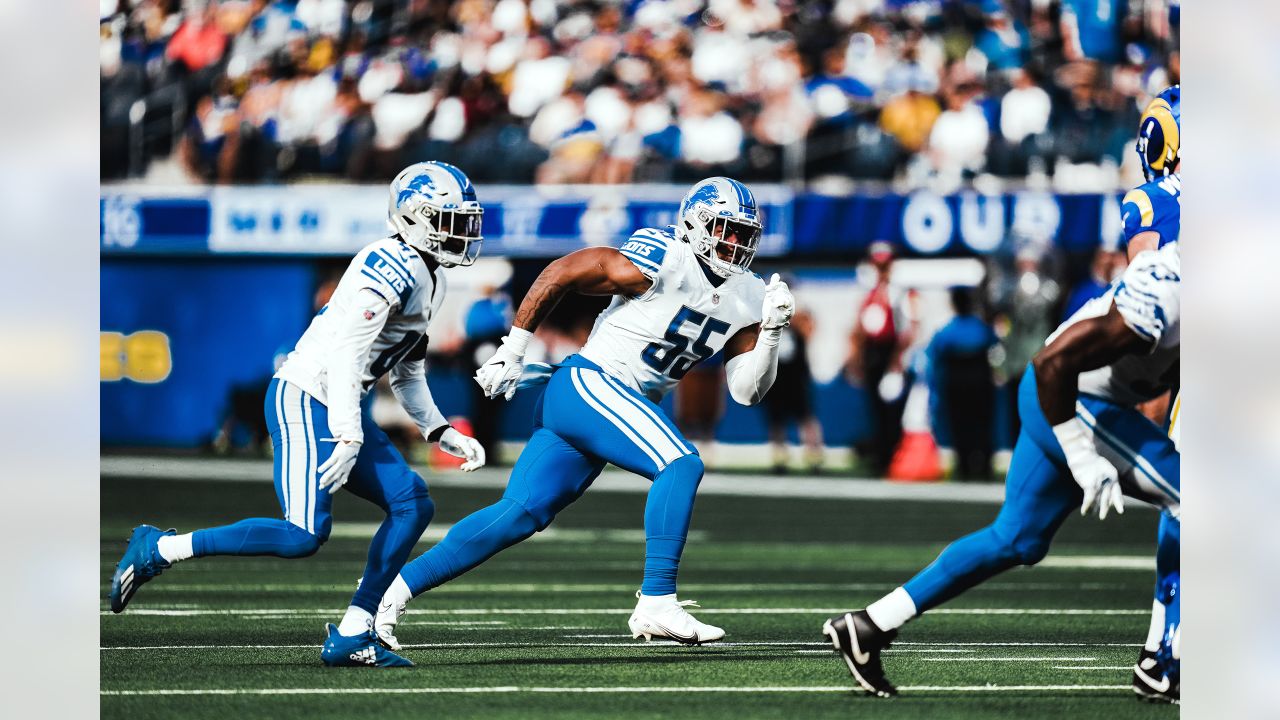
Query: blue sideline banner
point(549, 221)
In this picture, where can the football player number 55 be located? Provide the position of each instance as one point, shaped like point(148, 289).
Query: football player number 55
point(679, 352)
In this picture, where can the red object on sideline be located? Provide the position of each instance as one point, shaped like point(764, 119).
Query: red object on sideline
point(916, 459)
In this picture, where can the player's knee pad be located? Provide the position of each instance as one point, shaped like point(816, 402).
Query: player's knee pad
point(416, 504)
point(689, 466)
point(531, 518)
point(1029, 551)
point(1016, 547)
point(301, 543)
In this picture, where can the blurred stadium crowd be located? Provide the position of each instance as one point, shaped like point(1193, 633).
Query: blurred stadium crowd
point(600, 91)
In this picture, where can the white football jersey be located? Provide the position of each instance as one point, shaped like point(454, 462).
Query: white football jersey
point(1148, 297)
point(650, 341)
point(392, 271)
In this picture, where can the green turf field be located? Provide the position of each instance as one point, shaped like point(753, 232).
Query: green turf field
point(540, 631)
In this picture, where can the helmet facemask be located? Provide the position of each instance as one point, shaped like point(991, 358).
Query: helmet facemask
point(450, 236)
point(726, 244)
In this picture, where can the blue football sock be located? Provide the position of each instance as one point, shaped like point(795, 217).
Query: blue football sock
point(390, 548)
point(667, 513)
point(1168, 577)
point(255, 536)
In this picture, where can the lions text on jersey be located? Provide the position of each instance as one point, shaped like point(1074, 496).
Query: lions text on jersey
point(385, 277)
point(650, 341)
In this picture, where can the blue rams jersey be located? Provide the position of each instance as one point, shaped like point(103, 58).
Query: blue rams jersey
point(651, 340)
point(1154, 206)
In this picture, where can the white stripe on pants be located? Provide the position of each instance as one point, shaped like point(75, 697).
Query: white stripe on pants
point(1144, 477)
point(636, 424)
point(299, 465)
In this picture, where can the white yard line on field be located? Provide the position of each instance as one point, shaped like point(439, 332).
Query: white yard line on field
point(1018, 644)
point(283, 612)
point(638, 644)
point(1010, 659)
point(585, 690)
point(691, 588)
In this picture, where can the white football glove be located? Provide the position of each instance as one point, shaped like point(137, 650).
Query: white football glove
point(1093, 473)
point(500, 373)
point(463, 446)
point(335, 471)
point(779, 305)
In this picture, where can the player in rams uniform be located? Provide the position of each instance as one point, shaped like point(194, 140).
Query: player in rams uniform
point(1082, 444)
point(679, 296)
point(1152, 215)
point(375, 323)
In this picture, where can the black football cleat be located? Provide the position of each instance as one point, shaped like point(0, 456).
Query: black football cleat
point(1154, 681)
point(859, 642)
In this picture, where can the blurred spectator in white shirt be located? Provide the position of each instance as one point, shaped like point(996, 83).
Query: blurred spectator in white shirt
point(397, 114)
point(847, 12)
point(720, 56)
point(1024, 110)
point(708, 134)
point(538, 78)
point(869, 56)
point(958, 140)
point(747, 17)
point(323, 17)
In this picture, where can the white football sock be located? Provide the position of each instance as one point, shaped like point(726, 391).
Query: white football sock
point(357, 621)
point(893, 610)
point(398, 594)
point(174, 547)
point(1156, 632)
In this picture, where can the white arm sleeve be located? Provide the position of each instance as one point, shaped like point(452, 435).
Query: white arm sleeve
point(751, 374)
point(355, 330)
point(409, 383)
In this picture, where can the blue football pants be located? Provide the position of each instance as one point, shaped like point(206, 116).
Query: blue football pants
point(1040, 492)
point(585, 419)
point(299, 426)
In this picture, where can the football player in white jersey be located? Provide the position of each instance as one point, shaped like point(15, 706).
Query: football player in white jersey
point(679, 296)
point(375, 323)
point(1076, 402)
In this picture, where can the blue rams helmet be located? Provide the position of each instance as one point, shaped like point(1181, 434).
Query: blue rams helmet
point(721, 222)
point(433, 207)
point(1160, 134)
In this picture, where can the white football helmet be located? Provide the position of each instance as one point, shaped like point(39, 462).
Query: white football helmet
point(720, 220)
point(433, 207)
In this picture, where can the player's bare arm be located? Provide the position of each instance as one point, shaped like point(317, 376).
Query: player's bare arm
point(1086, 345)
point(743, 341)
point(1143, 241)
point(593, 271)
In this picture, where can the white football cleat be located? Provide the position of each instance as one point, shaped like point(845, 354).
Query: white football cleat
point(384, 623)
point(662, 616)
